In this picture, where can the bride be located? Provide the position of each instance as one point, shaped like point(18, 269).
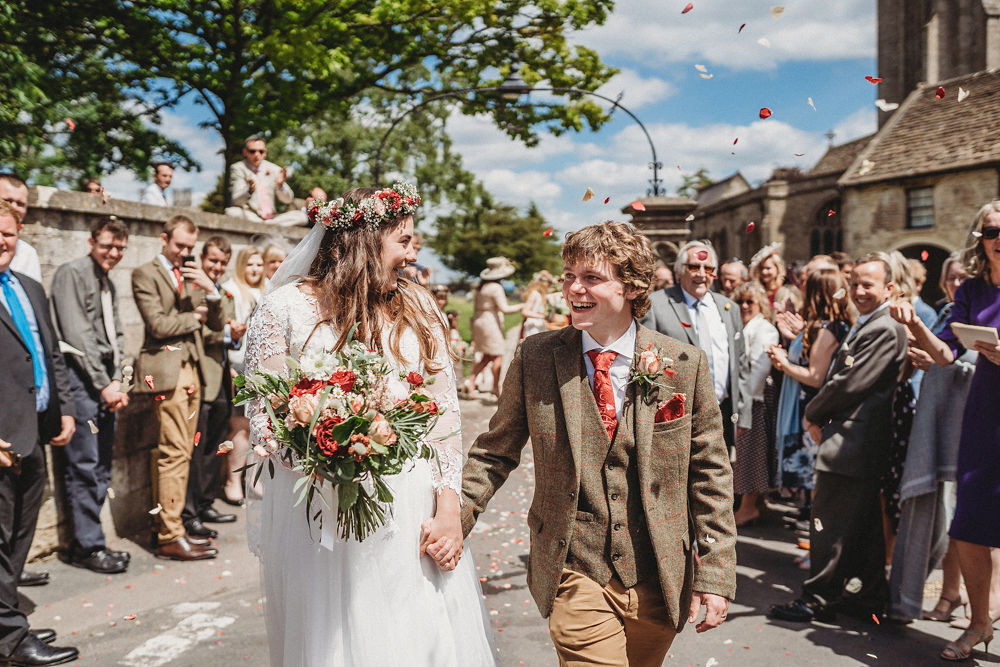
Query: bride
point(330, 601)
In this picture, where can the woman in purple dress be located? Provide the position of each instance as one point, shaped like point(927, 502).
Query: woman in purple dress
point(975, 527)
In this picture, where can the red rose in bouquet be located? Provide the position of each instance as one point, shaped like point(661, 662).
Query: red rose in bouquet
point(415, 378)
point(306, 386)
point(324, 441)
point(344, 380)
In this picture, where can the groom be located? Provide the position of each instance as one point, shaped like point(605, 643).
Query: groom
point(631, 526)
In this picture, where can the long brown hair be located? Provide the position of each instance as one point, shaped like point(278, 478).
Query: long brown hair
point(347, 280)
point(820, 305)
point(976, 262)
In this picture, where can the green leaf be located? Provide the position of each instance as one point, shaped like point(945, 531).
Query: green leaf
point(347, 494)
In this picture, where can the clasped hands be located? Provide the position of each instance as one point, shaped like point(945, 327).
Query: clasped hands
point(441, 539)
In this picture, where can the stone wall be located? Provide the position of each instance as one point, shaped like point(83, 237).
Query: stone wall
point(57, 225)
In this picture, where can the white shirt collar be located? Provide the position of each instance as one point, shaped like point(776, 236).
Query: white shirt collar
point(862, 319)
point(691, 301)
point(624, 346)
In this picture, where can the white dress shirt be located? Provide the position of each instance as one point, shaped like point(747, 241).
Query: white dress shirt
point(758, 335)
point(153, 195)
point(625, 347)
point(26, 261)
point(718, 339)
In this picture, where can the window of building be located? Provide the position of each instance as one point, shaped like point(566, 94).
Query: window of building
point(920, 207)
point(826, 235)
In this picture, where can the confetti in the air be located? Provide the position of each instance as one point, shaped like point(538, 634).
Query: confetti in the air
point(962, 93)
point(588, 195)
point(798, 154)
point(849, 361)
point(886, 106)
point(156, 510)
point(750, 227)
point(840, 294)
point(197, 438)
point(638, 206)
point(765, 42)
point(764, 112)
point(149, 382)
point(742, 25)
point(940, 93)
point(607, 199)
point(701, 68)
point(830, 213)
point(866, 166)
point(689, 218)
point(735, 140)
point(688, 7)
point(705, 76)
point(776, 12)
point(70, 124)
point(817, 524)
point(924, 255)
point(686, 325)
point(873, 79)
point(875, 618)
point(93, 426)
point(224, 447)
point(810, 102)
point(547, 233)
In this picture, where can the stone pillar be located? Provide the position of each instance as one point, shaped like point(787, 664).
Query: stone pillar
point(664, 223)
point(992, 9)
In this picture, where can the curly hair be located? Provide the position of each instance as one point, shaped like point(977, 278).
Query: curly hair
point(351, 288)
point(624, 248)
point(974, 255)
point(754, 290)
point(822, 305)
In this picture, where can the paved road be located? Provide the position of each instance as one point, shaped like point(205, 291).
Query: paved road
point(209, 612)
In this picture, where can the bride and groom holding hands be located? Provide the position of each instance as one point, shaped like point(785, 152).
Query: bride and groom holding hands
point(631, 524)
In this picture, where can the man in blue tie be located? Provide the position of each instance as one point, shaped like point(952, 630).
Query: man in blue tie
point(38, 408)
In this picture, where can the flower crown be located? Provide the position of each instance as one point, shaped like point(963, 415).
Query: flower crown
point(399, 200)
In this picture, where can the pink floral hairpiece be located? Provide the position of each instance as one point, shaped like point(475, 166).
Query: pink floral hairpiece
point(396, 201)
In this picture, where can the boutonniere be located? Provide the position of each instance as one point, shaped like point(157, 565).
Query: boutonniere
point(228, 294)
point(651, 366)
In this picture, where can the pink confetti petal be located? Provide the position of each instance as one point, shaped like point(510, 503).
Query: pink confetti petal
point(750, 226)
point(688, 7)
point(547, 233)
point(702, 255)
point(924, 255)
point(765, 112)
point(638, 206)
point(149, 382)
point(70, 124)
point(735, 140)
point(686, 325)
point(873, 79)
point(607, 199)
point(742, 25)
point(940, 93)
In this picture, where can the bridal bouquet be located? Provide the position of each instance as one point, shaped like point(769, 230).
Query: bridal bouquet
point(334, 420)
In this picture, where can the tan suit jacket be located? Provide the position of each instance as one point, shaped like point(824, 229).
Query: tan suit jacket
point(214, 364)
point(684, 474)
point(172, 334)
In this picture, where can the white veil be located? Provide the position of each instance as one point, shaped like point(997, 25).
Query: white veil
point(299, 260)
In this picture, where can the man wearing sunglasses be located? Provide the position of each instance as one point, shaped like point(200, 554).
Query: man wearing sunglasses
point(691, 312)
point(255, 185)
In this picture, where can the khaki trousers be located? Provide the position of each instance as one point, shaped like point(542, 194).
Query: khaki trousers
point(177, 415)
point(609, 625)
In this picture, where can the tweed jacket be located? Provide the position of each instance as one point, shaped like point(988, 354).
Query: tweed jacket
point(667, 311)
point(171, 331)
point(21, 424)
point(239, 192)
point(854, 405)
point(685, 479)
point(215, 362)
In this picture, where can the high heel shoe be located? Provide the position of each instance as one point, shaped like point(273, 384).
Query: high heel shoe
point(961, 648)
point(945, 614)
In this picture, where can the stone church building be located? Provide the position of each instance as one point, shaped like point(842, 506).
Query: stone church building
point(913, 186)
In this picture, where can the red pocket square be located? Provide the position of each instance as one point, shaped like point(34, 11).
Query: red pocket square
point(670, 410)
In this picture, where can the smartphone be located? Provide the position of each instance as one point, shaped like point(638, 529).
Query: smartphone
point(185, 259)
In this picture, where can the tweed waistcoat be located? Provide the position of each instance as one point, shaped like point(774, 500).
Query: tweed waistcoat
point(610, 535)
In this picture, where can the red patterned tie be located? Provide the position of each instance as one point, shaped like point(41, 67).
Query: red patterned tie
point(179, 279)
point(603, 391)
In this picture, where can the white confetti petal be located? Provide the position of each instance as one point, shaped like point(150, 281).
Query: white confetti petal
point(701, 68)
point(588, 195)
point(866, 167)
point(840, 294)
point(776, 12)
point(810, 102)
point(849, 361)
point(689, 218)
point(111, 493)
point(709, 539)
point(156, 510)
point(817, 524)
point(735, 418)
point(765, 42)
point(706, 76)
point(712, 662)
point(962, 93)
point(853, 586)
point(93, 427)
point(886, 106)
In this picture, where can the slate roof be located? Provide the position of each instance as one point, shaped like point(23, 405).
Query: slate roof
point(839, 158)
point(927, 135)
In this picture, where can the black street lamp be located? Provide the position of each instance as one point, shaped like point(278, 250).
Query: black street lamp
point(511, 90)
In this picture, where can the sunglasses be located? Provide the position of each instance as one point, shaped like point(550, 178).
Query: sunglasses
point(990, 233)
point(695, 268)
point(746, 302)
point(256, 150)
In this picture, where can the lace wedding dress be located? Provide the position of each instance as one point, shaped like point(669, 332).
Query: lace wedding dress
point(336, 602)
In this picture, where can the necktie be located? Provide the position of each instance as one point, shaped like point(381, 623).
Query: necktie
point(23, 328)
point(603, 391)
point(108, 315)
point(704, 333)
point(265, 198)
point(180, 280)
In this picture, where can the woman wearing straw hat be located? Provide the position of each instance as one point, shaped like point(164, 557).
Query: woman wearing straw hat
point(487, 321)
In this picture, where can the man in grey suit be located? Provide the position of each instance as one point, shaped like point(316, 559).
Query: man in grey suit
point(256, 184)
point(691, 312)
point(851, 419)
point(37, 409)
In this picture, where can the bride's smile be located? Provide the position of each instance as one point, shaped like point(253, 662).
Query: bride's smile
point(397, 250)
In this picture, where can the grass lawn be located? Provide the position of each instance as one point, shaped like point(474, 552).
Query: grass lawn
point(465, 310)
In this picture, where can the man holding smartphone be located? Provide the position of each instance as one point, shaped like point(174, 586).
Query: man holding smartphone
point(175, 298)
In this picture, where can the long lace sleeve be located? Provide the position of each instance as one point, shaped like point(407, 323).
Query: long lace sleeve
point(446, 437)
point(267, 347)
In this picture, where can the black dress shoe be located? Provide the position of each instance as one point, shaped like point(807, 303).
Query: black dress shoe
point(212, 515)
point(45, 635)
point(124, 555)
point(29, 578)
point(32, 652)
point(801, 611)
point(196, 528)
point(100, 560)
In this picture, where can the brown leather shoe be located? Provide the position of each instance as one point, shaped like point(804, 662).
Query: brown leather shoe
point(199, 541)
point(183, 549)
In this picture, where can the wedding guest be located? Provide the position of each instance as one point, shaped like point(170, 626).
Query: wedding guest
point(663, 277)
point(490, 303)
point(616, 504)
point(274, 254)
point(751, 469)
point(844, 263)
point(441, 293)
point(534, 309)
point(732, 274)
point(14, 191)
point(975, 528)
point(163, 174)
point(850, 419)
point(918, 272)
point(768, 268)
point(85, 305)
point(38, 409)
point(256, 184)
point(246, 286)
point(216, 401)
point(175, 298)
point(93, 186)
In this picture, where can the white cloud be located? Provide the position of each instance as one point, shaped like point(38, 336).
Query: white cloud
point(862, 122)
point(639, 91)
point(483, 146)
point(520, 187)
point(816, 30)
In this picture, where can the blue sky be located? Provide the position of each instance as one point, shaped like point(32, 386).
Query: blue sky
point(819, 49)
